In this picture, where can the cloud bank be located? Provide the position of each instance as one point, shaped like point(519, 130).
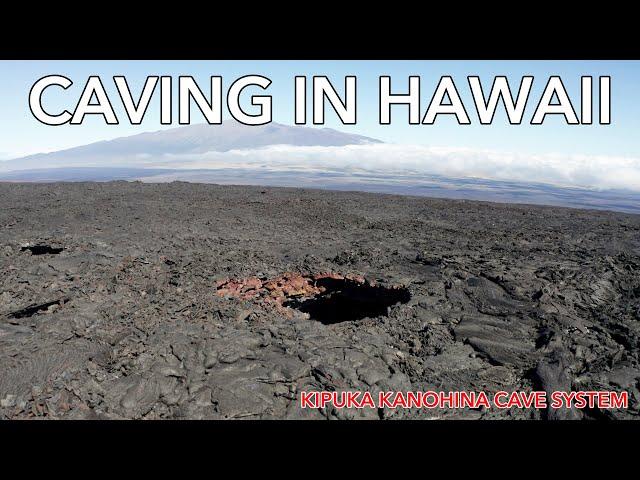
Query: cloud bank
point(586, 171)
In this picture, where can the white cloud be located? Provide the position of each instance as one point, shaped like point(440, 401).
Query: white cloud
point(591, 171)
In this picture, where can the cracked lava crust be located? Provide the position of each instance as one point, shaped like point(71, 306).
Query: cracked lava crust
point(130, 300)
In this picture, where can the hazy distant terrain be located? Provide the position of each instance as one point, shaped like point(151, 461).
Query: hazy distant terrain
point(295, 156)
point(139, 150)
point(80, 174)
point(425, 185)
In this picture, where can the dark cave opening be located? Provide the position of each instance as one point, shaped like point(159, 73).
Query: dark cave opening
point(346, 300)
point(42, 250)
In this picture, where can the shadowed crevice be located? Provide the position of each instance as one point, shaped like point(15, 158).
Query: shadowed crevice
point(42, 250)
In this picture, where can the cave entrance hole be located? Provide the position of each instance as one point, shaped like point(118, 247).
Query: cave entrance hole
point(345, 300)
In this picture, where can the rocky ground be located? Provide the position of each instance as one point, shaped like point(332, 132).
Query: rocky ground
point(130, 300)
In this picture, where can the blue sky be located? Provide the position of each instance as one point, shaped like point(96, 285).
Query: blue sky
point(21, 133)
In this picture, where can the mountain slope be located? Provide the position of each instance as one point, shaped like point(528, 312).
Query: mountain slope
point(192, 139)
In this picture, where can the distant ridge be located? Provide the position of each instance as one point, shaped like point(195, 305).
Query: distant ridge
point(296, 156)
point(191, 139)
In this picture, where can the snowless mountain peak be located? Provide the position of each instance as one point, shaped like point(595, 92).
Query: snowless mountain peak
point(191, 139)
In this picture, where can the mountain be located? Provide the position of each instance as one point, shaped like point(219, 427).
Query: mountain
point(295, 156)
point(192, 139)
